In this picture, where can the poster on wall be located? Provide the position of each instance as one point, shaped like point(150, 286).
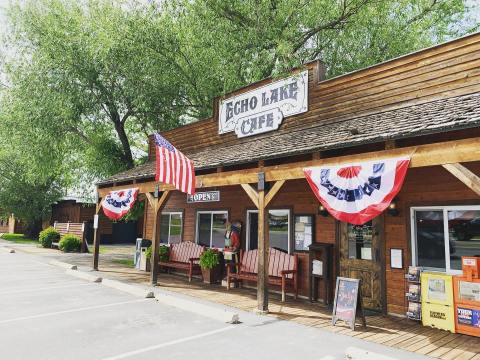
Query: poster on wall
point(263, 109)
point(348, 302)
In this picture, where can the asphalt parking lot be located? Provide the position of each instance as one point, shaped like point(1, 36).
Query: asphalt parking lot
point(47, 314)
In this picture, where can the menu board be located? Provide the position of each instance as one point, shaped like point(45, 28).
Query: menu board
point(347, 302)
point(303, 232)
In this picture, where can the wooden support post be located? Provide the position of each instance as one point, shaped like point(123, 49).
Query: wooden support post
point(251, 192)
point(96, 238)
point(261, 201)
point(263, 250)
point(157, 204)
point(465, 176)
point(273, 191)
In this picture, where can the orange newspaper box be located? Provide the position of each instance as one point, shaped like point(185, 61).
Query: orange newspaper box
point(471, 267)
point(466, 290)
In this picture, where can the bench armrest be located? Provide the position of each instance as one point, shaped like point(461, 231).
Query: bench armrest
point(286, 272)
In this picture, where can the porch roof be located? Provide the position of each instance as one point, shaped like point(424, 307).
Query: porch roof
point(454, 113)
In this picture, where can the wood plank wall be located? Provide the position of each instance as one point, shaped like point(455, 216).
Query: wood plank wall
point(423, 186)
point(443, 71)
point(295, 195)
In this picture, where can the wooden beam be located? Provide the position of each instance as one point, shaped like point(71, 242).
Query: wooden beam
point(251, 192)
point(390, 144)
point(151, 199)
point(158, 204)
point(447, 152)
point(163, 199)
point(263, 250)
point(273, 191)
point(465, 176)
point(96, 238)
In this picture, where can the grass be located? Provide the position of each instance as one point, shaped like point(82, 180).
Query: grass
point(125, 262)
point(19, 239)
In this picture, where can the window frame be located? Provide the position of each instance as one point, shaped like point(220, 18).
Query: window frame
point(290, 215)
point(446, 234)
point(197, 223)
point(170, 213)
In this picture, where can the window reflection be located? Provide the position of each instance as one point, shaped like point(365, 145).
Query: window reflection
point(360, 241)
point(278, 229)
point(464, 235)
point(430, 238)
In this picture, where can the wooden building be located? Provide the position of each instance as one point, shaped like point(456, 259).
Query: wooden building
point(425, 105)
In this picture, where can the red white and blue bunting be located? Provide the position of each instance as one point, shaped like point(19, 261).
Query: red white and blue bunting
point(118, 203)
point(356, 193)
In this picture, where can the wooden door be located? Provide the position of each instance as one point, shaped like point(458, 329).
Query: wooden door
point(361, 258)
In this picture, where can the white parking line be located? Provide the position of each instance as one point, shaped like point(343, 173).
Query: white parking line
point(43, 288)
point(70, 311)
point(169, 343)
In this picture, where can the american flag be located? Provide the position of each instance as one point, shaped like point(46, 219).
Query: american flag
point(173, 167)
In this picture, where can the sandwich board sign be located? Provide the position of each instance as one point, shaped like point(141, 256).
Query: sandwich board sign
point(348, 302)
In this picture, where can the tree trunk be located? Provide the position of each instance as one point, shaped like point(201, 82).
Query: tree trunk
point(33, 228)
point(127, 152)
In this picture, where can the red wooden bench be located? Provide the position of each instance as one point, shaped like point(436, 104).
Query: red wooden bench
point(282, 269)
point(184, 256)
point(77, 229)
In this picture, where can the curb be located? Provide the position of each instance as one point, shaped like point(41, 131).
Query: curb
point(84, 275)
point(222, 315)
point(7, 250)
point(353, 353)
point(63, 265)
point(131, 289)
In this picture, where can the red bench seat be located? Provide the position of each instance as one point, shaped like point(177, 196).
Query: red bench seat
point(184, 256)
point(282, 270)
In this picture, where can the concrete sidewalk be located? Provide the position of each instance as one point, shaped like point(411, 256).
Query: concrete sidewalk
point(63, 317)
point(393, 332)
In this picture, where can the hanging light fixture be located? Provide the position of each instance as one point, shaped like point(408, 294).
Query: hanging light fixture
point(322, 211)
point(392, 208)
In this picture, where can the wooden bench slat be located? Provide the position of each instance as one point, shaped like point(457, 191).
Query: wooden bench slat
point(180, 255)
point(278, 261)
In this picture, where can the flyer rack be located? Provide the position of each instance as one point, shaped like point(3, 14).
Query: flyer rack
point(414, 293)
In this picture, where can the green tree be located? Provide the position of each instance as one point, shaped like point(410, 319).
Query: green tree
point(87, 80)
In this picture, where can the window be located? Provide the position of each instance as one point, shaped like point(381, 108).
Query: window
point(442, 235)
point(211, 226)
point(279, 229)
point(171, 228)
point(360, 241)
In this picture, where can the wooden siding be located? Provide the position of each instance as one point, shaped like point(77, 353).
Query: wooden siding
point(443, 71)
point(423, 186)
point(295, 195)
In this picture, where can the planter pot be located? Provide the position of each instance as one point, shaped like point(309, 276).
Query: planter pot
point(210, 276)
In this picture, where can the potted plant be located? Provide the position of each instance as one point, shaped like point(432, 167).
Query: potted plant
point(210, 265)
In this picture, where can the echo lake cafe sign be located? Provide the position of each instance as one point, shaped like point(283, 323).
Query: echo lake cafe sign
point(263, 109)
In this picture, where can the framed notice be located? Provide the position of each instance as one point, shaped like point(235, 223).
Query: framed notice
point(303, 232)
point(396, 259)
point(348, 302)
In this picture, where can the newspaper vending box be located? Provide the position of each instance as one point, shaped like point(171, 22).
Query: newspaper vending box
point(437, 301)
point(467, 297)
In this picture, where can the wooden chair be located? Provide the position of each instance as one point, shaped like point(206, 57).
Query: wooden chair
point(184, 256)
point(77, 229)
point(282, 270)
